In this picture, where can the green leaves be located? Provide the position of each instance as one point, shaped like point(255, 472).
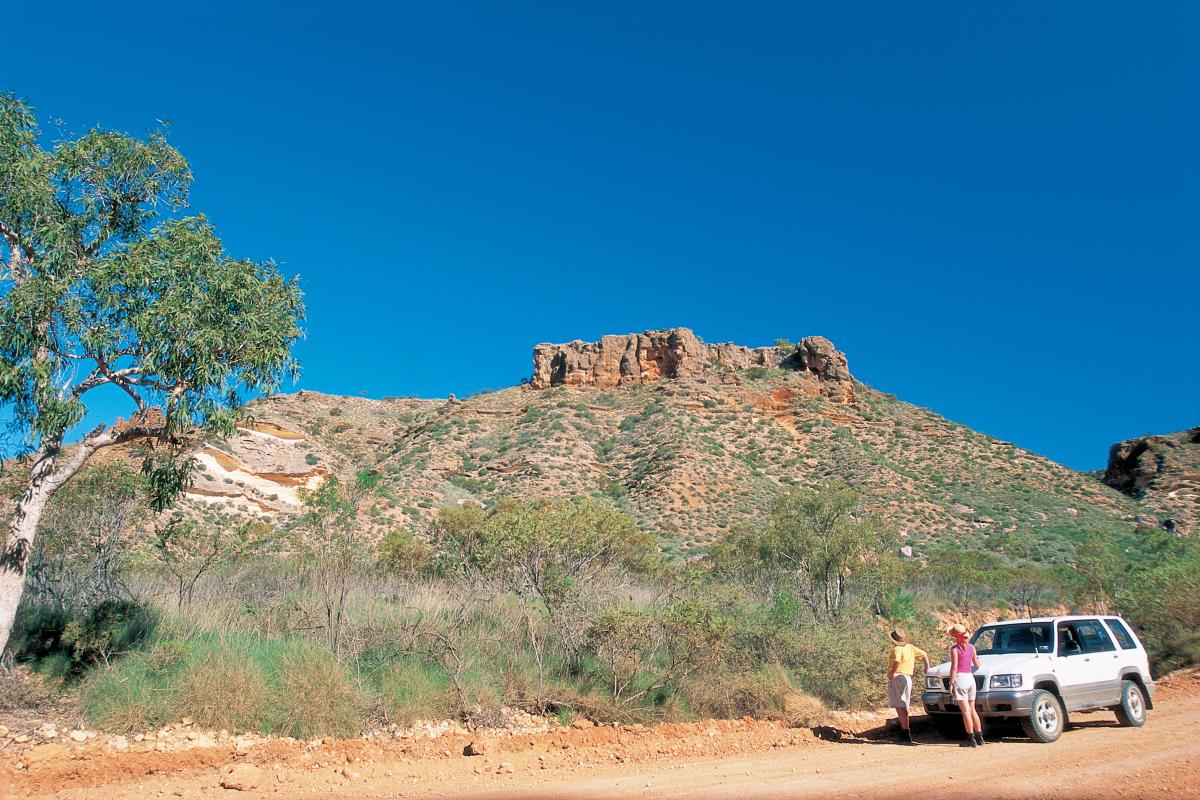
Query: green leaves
point(816, 545)
point(113, 184)
point(101, 286)
point(168, 474)
point(543, 548)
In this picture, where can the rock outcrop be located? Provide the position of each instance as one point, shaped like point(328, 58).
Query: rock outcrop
point(621, 360)
point(1164, 472)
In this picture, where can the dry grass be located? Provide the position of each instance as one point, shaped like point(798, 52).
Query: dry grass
point(224, 689)
point(315, 695)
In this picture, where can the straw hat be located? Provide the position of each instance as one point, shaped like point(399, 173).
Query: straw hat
point(899, 636)
point(957, 630)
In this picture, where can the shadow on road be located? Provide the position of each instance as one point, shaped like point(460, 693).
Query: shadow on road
point(926, 734)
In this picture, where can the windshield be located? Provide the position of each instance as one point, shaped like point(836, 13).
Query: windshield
point(1032, 637)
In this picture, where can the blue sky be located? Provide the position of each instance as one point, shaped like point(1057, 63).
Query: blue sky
point(993, 209)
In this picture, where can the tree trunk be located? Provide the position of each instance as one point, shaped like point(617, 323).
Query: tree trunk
point(49, 472)
point(18, 544)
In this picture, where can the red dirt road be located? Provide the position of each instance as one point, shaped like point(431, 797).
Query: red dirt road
point(1095, 759)
point(724, 761)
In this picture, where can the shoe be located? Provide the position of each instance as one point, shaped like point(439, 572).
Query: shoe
point(968, 743)
point(907, 739)
point(979, 739)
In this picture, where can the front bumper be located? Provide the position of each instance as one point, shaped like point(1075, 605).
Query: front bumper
point(992, 703)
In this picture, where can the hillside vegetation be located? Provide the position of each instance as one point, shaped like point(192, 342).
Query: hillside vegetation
point(687, 457)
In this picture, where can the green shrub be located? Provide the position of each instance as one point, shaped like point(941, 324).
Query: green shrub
point(123, 697)
point(63, 645)
point(110, 629)
point(401, 553)
point(287, 687)
point(1163, 604)
point(766, 693)
point(844, 664)
point(410, 689)
point(37, 633)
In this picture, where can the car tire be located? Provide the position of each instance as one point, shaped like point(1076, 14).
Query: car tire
point(949, 726)
point(1046, 718)
point(1131, 713)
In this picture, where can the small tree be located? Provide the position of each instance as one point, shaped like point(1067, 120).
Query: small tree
point(1164, 605)
point(332, 547)
point(1102, 570)
point(786, 347)
point(98, 287)
point(549, 552)
point(816, 546)
point(79, 560)
point(1028, 586)
point(966, 578)
point(188, 550)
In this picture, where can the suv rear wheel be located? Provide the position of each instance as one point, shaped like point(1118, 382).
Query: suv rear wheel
point(1132, 711)
point(1046, 718)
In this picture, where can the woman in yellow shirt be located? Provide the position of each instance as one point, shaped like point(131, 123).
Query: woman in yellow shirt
point(900, 678)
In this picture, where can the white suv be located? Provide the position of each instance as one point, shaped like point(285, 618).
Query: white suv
point(1039, 670)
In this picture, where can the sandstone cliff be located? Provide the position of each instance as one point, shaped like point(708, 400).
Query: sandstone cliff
point(621, 360)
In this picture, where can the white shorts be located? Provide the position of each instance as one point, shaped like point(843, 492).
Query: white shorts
point(964, 688)
point(900, 691)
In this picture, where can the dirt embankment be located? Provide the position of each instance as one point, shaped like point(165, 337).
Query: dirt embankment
point(734, 759)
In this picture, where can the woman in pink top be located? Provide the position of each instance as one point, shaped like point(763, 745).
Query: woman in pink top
point(963, 663)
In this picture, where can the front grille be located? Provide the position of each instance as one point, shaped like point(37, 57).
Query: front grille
point(979, 679)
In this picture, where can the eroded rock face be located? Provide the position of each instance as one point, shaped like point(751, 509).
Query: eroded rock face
point(818, 355)
point(621, 360)
point(1164, 472)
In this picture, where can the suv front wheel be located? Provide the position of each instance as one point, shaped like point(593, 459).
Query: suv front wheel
point(1045, 721)
point(1132, 711)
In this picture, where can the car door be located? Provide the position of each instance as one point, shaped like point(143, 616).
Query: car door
point(1070, 667)
point(1101, 663)
point(1092, 663)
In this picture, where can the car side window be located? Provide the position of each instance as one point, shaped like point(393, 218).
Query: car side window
point(1068, 641)
point(1093, 637)
point(1122, 634)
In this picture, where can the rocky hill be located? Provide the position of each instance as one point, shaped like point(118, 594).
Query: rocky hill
point(691, 438)
point(1163, 472)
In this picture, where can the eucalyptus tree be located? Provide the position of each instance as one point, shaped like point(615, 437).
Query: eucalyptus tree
point(104, 283)
point(817, 545)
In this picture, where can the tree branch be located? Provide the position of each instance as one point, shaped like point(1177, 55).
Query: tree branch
point(20, 253)
point(102, 375)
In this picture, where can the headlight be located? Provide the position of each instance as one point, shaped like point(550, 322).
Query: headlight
point(1006, 682)
point(932, 682)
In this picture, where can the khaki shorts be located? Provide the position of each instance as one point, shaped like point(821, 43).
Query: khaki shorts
point(900, 691)
point(964, 688)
